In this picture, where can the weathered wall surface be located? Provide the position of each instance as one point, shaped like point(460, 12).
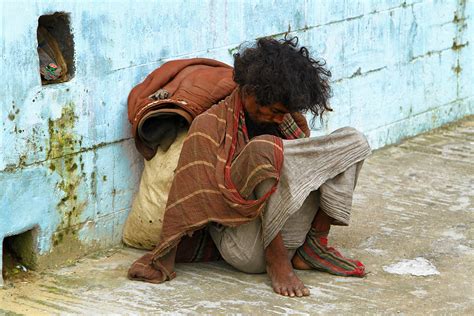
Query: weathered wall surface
point(67, 164)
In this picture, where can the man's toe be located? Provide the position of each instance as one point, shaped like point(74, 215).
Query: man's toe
point(306, 291)
point(299, 292)
point(276, 290)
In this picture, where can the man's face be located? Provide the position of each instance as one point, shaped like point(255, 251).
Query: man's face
point(271, 114)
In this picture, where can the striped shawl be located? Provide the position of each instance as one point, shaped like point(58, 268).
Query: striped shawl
point(218, 170)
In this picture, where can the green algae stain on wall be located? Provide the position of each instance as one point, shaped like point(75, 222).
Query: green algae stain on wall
point(62, 139)
point(65, 160)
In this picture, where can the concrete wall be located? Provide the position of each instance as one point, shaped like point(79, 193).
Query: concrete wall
point(68, 166)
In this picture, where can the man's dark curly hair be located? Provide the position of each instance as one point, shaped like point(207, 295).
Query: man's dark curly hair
point(280, 71)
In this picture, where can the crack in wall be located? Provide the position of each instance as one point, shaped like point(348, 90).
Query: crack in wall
point(359, 73)
point(22, 165)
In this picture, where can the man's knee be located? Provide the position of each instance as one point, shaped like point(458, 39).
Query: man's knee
point(242, 246)
point(355, 135)
point(245, 256)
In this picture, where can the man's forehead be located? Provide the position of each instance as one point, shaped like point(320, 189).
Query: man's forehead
point(280, 107)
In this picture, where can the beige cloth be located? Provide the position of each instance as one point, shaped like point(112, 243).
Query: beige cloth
point(143, 225)
point(317, 172)
point(242, 246)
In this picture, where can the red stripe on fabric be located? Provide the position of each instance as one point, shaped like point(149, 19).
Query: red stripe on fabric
point(227, 170)
point(278, 156)
point(235, 125)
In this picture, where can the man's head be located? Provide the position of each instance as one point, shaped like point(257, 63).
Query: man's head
point(277, 77)
point(268, 114)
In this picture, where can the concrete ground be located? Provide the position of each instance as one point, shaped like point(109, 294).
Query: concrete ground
point(413, 215)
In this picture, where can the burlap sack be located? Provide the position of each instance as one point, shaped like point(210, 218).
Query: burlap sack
point(143, 226)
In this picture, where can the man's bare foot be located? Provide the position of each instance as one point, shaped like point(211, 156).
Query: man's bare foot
point(284, 280)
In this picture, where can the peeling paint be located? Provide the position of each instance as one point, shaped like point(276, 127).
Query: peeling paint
point(458, 68)
point(457, 46)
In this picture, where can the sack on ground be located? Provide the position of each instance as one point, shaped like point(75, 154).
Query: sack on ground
point(143, 226)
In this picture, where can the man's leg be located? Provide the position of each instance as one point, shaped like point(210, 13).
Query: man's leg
point(242, 247)
point(279, 269)
point(278, 265)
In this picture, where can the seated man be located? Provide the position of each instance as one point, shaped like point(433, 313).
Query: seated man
point(266, 193)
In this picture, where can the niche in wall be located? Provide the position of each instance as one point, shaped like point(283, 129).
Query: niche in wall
point(19, 254)
point(55, 48)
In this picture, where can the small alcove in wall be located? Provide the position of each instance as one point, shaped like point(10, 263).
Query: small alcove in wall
point(55, 48)
point(19, 254)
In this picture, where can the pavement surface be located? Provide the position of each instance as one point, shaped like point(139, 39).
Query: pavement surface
point(412, 225)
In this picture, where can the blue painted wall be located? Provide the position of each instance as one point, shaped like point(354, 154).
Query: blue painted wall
point(67, 163)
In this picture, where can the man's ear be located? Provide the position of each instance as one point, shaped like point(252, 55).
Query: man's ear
point(245, 91)
point(248, 90)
